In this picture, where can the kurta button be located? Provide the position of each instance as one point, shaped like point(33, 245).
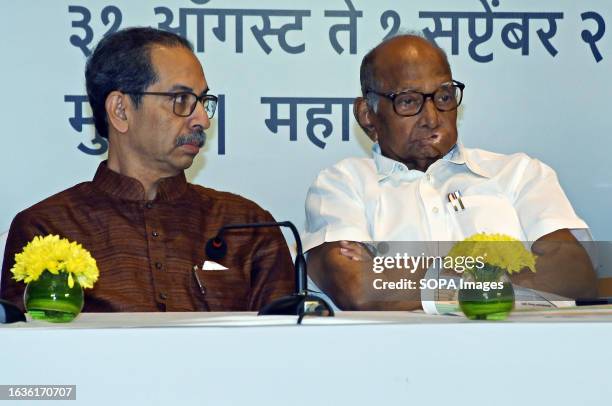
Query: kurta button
point(158, 265)
point(163, 296)
point(155, 234)
point(435, 210)
point(149, 205)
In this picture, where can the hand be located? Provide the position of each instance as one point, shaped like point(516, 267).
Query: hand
point(355, 251)
point(563, 267)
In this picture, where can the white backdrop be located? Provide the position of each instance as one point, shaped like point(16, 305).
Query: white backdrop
point(554, 108)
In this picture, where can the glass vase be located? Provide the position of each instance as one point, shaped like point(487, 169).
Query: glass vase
point(50, 298)
point(486, 294)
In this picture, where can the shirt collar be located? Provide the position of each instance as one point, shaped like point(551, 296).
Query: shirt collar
point(461, 156)
point(457, 155)
point(384, 166)
point(126, 188)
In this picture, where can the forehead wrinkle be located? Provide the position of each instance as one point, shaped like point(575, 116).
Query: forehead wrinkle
point(412, 69)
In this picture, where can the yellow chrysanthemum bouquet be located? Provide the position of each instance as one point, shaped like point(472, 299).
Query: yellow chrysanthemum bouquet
point(498, 250)
point(55, 270)
point(486, 292)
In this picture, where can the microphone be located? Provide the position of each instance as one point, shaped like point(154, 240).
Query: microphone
point(216, 248)
point(301, 302)
point(9, 313)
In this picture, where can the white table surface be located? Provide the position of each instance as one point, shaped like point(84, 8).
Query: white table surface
point(356, 358)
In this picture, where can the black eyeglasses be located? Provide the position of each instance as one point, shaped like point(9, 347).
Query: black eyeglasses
point(410, 103)
point(185, 102)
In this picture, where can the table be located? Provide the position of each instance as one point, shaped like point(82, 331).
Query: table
point(356, 358)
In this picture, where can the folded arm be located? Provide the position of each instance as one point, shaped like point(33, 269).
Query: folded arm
point(563, 267)
point(344, 270)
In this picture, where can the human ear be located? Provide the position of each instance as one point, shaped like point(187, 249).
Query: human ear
point(115, 105)
point(365, 118)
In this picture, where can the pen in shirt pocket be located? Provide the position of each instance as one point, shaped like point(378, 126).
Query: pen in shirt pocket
point(455, 200)
point(458, 196)
point(198, 281)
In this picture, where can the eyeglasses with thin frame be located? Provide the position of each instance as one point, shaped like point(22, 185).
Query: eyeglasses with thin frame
point(410, 103)
point(184, 103)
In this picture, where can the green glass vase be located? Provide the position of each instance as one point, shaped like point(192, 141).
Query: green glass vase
point(50, 298)
point(486, 294)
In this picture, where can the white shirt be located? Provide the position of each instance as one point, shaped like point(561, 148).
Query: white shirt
point(379, 199)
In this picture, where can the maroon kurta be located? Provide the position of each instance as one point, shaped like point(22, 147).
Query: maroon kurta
point(146, 250)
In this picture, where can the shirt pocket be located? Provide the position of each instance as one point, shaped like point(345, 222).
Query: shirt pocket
point(492, 214)
point(222, 290)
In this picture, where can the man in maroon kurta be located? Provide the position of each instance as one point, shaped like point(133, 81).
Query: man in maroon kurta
point(145, 225)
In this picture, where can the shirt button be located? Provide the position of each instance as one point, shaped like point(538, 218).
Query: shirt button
point(429, 177)
point(435, 210)
point(163, 296)
point(149, 205)
point(158, 265)
point(155, 234)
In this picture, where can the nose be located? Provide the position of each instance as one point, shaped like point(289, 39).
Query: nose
point(199, 117)
point(430, 114)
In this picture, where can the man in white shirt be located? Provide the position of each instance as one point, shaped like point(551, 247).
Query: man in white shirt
point(409, 110)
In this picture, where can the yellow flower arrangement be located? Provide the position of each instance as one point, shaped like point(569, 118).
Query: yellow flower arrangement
point(54, 254)
point(498, 250)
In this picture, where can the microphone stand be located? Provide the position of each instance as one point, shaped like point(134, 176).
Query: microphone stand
point(301, 303)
